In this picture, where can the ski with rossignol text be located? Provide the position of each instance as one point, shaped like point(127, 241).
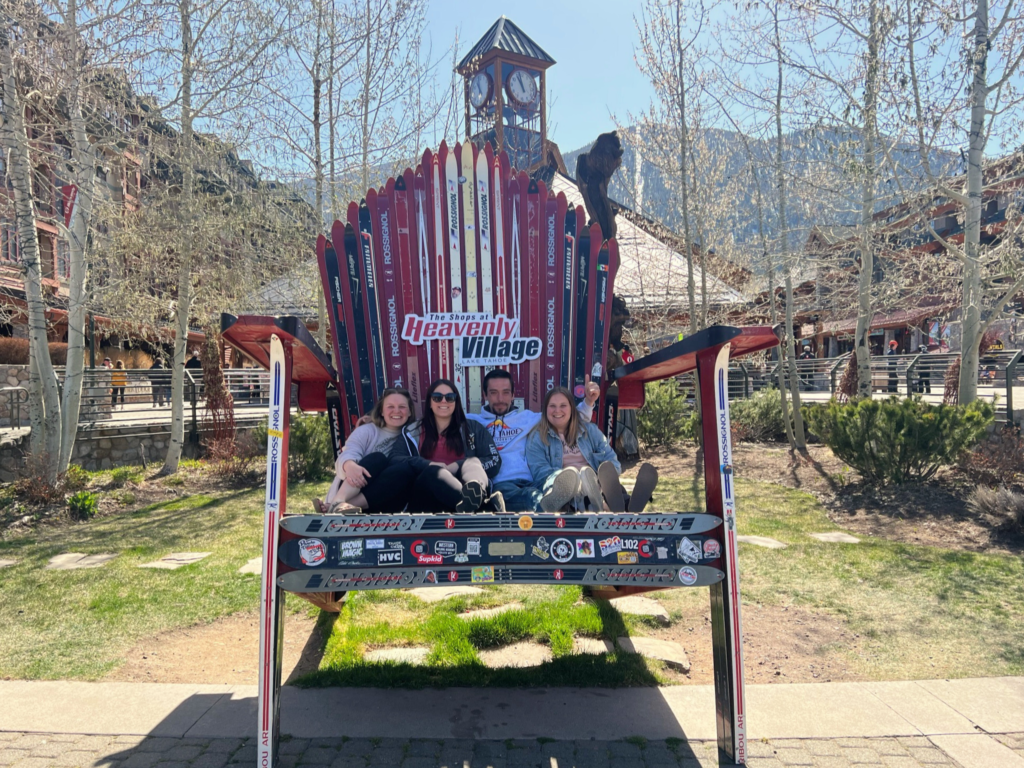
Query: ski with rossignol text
point(451, 181)
point(568, 284)
point(535, 288)
point(354, 308)
point(468, 183)
point(371, 304)
point(551, 242)
point(390, 303)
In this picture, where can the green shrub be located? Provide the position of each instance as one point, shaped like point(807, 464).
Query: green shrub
point(892, 441)
point(124, 475)
point(310, 454)
point(75, 478)
point(759, 418)
point(82, 505)
point(666, 417)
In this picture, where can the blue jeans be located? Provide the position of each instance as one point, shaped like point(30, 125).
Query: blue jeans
point(519, 495)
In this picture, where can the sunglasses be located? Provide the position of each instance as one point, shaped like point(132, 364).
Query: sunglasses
point(437, 397)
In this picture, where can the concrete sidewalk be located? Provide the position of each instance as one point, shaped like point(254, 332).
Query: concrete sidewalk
point(973, 722)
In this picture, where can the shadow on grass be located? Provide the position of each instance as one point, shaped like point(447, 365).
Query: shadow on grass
point(453, 661)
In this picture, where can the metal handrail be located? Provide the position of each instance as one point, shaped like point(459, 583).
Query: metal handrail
point(14, 401)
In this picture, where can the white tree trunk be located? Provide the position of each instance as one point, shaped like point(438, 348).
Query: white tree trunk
point(78, 241)
point(184, 299)
point(780, 181)
point(45, 415)
point(971, 305)
point(867, 250)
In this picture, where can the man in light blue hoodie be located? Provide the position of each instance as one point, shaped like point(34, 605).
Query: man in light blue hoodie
point(509, 426)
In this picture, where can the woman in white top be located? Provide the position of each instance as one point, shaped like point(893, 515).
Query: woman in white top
point(365, 477)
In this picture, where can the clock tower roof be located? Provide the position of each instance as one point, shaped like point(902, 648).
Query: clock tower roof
point(505, 36)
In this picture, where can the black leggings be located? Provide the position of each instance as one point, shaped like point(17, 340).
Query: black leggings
point(387, 490)
point(438, 490)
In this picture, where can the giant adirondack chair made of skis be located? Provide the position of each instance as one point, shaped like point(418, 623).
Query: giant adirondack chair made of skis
point(459, 266)
point(538, 271)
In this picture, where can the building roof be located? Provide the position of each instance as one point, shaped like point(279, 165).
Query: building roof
point(504, 35)
point(652, 274)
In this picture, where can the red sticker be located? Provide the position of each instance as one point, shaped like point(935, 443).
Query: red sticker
point(453, 575)
point(449, 523)
point(560, 522)
point(559, 574)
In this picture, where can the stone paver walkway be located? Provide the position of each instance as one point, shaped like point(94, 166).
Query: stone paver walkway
point(40, 750)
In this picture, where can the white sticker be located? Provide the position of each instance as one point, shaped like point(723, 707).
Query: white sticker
point(375, 543)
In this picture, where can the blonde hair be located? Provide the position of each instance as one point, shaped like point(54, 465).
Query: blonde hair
point(573, 430)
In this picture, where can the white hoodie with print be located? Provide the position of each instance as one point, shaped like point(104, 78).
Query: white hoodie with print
point(509, 433)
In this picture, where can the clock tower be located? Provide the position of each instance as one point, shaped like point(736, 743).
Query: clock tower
point(506, 98)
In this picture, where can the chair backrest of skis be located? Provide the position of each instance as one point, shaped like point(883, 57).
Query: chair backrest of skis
point(459, 266)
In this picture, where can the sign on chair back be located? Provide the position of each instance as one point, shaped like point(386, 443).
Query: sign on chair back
point(460, 266)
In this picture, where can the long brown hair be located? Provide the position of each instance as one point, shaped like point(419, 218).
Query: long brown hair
point(377, 414)
point(453, 434)
point(573, 430)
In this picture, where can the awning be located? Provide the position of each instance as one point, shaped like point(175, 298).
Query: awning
point(901, 318)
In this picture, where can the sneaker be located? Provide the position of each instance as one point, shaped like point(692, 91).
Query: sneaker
point(565, 486)
point(646, 482)
point(590, 488)
point(614, 496)
point(495, 503)
point(472, 497)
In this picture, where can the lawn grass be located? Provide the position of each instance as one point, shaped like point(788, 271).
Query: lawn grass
point(79, 624)
point(924, 612)
point(549, 615)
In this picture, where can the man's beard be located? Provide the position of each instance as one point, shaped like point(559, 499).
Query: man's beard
point(500, 409)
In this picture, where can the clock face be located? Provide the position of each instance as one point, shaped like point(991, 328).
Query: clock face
point(522, 87)
point(480, 89)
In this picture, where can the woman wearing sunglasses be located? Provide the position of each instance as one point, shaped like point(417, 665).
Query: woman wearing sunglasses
point(365, 477)
point(458, 456)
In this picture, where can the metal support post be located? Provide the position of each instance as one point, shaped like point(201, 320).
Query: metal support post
point(746, 381)
point(193, 435)
point(271, 595)
point(730, 703)
point(1011, 374)
point(832, 374)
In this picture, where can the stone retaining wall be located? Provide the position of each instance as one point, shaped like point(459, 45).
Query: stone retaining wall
point(104, 448)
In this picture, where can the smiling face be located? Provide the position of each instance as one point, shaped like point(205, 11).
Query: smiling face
point(558, 413)
point(499, 395)
point(396, 410)
point(442, 410)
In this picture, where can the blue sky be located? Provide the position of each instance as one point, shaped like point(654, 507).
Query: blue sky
point(593, 44)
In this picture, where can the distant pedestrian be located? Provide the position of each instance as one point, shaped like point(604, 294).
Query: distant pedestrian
point(194, 361)
point(157, 382)
point(924, 378)
point(894, 380)
point(118, 383)
point(807, 374)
